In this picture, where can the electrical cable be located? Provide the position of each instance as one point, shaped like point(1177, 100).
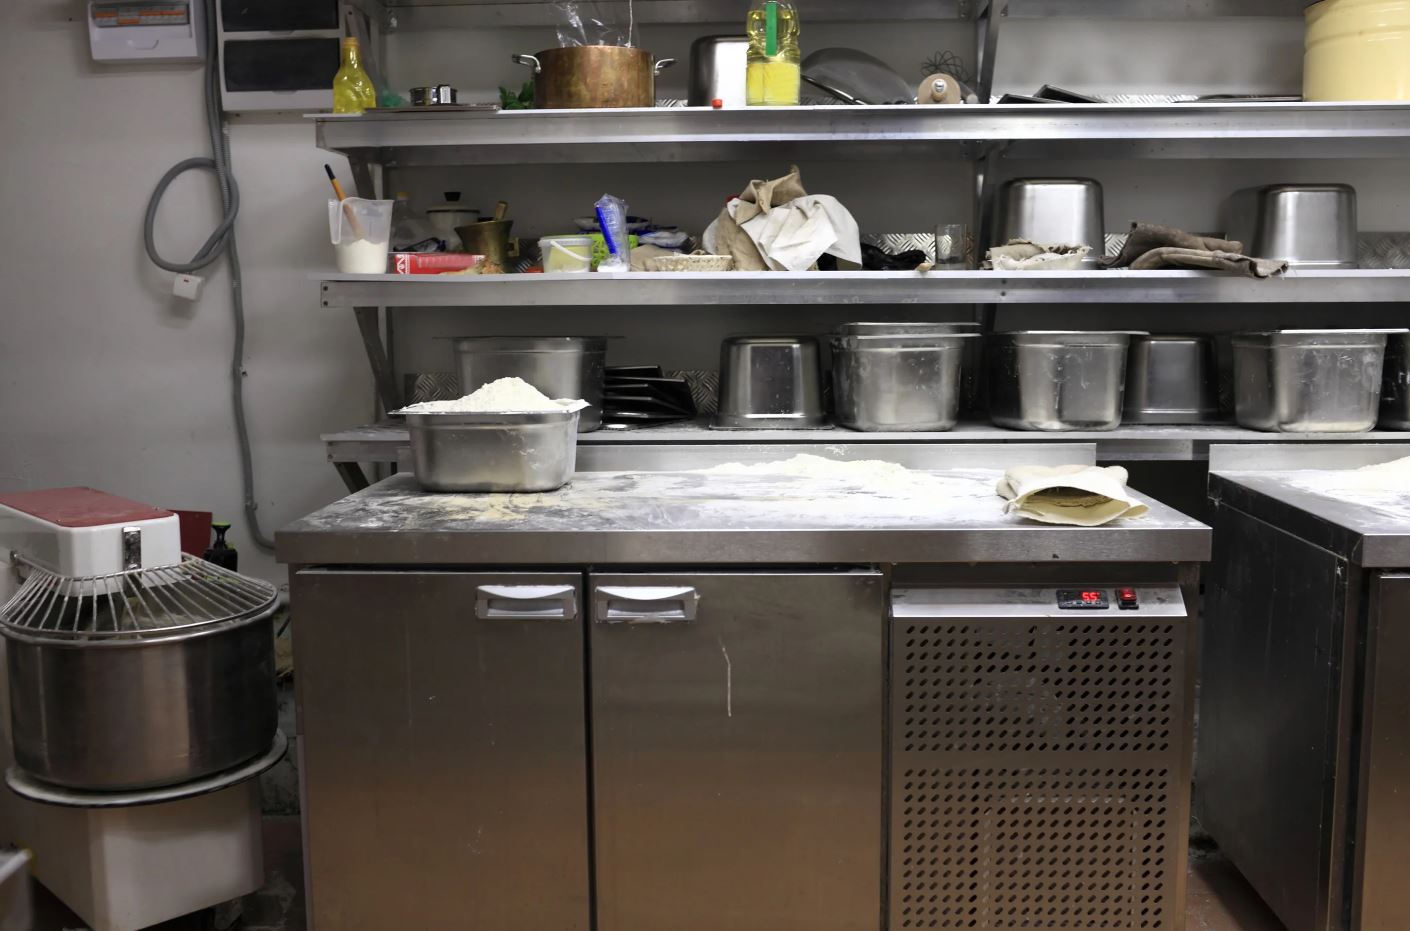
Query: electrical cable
point(221, 242)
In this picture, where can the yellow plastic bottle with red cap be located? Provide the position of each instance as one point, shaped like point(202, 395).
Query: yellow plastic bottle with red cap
point(775, 69)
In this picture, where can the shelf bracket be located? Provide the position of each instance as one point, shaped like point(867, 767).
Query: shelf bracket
point(991, 16)
point(352, 475)
point(368, 324)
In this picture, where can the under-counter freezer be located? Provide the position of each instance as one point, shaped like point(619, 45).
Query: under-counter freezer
point(1303, 773)
point(744, 698)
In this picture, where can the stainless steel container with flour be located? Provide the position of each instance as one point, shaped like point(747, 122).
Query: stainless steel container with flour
point(1057, 380)
point(1308, 381)
point(560, 366)
point(493, 452)
point(902, 383)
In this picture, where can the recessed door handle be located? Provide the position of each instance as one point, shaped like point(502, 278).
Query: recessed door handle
point(526, 602)
point(643, 604)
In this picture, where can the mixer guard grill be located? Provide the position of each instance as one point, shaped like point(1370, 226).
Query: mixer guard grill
point(139, 604)
point(1038, 778)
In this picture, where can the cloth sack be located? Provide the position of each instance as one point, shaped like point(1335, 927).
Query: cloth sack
point(776, 225)
point(1082, 496)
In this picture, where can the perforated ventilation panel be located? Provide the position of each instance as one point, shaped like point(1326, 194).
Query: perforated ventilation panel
point(1037, 778)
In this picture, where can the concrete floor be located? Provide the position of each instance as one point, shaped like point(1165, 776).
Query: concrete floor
point(1219, 899)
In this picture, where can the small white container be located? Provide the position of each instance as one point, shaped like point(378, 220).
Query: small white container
point(361, 231)
point(571, 254)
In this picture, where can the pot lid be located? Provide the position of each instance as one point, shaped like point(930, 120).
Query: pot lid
point(141, 604)
point(453, 205)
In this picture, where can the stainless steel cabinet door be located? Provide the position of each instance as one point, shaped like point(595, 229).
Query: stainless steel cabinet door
point(442, 722)
point(737, 751)
point(1381, 897)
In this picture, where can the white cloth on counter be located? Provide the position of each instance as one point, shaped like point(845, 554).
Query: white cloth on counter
point(793, 236)
point(1079, 495)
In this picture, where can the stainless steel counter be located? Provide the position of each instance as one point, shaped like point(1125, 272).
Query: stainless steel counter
point(1313, 493)
point(703, 518)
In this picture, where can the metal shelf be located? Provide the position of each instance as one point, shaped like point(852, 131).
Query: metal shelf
point(680, 134)
point(389, 443)
point(812, 288)
point(539, 12)
point(508, 13)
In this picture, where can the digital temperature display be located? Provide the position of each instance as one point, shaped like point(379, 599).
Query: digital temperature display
point(1088, 599)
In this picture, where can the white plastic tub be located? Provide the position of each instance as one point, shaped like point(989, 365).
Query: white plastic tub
point(571, 254)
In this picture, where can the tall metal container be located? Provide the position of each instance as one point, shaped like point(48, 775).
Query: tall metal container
point(903, 383)
point(1308, 381)
point(1058, 380)
point(559, 366)
point(1395, 384)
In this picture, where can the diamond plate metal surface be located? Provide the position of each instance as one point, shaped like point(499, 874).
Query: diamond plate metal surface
point(1383, 250)
point(896, 243)
point(431, 386)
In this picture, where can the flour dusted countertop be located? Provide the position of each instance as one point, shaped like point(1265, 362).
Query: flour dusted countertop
point(1363, 518)
point(721, 518)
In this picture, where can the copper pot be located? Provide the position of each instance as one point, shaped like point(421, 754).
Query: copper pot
point(594, 77)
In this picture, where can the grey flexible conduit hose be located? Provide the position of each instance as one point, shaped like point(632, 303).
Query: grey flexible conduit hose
point(221, 242)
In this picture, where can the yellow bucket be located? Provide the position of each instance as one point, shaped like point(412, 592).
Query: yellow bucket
point(1357, 50)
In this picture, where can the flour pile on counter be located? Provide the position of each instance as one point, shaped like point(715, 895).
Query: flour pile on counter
point(1388, 477)
point(874, 473)
point(505, 396)
point(1384, 487)
point(1083, 496)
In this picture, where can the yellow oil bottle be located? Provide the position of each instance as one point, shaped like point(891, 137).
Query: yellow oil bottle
point(775, 62)
point(353, 90)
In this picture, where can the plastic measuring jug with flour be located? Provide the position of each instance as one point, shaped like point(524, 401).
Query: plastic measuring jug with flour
point(361, 231)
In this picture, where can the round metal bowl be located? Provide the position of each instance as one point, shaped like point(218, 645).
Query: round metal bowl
point(141, 679)
point(490, 452)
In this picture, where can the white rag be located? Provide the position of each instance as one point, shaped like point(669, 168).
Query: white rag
point(792, 236)
point(1020, 255)
point(1083, 496)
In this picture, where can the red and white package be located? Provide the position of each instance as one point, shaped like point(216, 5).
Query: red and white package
point(434, 263)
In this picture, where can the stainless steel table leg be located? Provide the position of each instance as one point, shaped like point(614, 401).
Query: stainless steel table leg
point(386, 379)
point(352, 475)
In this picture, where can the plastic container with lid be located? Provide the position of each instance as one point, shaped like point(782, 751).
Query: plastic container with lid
point(1357, 50)
point(572, 254)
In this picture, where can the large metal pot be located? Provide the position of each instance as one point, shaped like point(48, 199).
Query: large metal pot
point(140, 714)
point(587, 77)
